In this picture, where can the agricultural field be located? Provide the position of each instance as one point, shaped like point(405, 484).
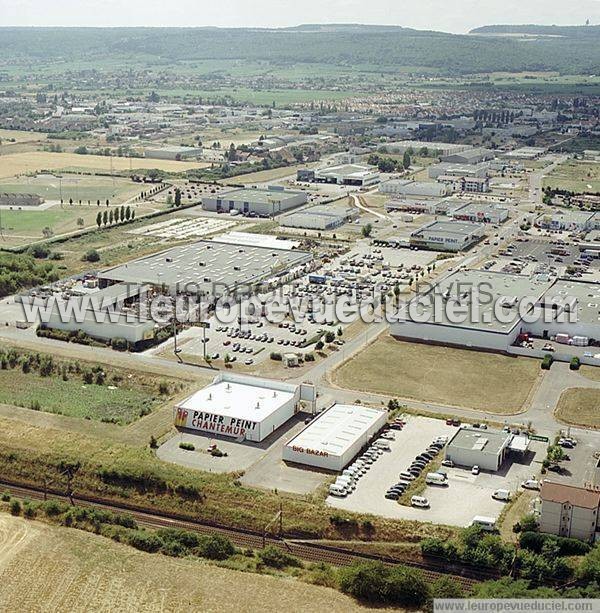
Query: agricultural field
point(20, 136)
point(84, 188)
point(575, 176)
point(579, 407)
point(443, 375)
point(22, 227)
point(79, 571)
point(37, 161)
point(73, 397)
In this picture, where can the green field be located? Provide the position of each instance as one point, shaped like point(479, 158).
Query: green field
point(575, 176)
point(51, 187)
point(73, 397)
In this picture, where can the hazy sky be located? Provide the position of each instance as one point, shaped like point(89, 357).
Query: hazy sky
point(447, 15)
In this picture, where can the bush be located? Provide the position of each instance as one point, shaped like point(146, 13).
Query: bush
point(15, 507)
point(187, 446)
point(547, 362)
point(91, 256)
point(277, 558)
point(215, 547)
point(119, 344)
point(6, 497)
point(276, 356)
point(144, 541)
point(309, 357)
point(575, 363)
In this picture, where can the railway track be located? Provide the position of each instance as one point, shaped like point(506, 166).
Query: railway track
point(305, 550)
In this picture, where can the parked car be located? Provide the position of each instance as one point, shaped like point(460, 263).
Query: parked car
point(406, 476)
point(531, 484)
point(475, 470)
point(392, 495)
point(419, 501)
point(503, 495)
point(448, 463)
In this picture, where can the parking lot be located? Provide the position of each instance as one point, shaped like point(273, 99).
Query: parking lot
point(582, 466)
point(528, 256)
point(466, 495)
point(261, 463)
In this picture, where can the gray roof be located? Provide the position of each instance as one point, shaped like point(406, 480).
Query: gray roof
point(489, 442)
point(208, 264)
point(262, 196)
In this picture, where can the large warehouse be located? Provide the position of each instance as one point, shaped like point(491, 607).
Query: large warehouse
point(335, 437)
point(319, 217)
point(484, 448)
point(207, 267)
point(429, 316)
point(482, 212)
point(347, 174)
point(402, 187)
point(262, 202)
point(447, 235)
point(244, 408)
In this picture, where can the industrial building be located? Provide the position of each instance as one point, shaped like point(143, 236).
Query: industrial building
point(319, 217)
point(399, 187)
point(173, 153)
point(106, 315)
point(255, 202)
point(524, 153)
point(417, 207)
point(579, 221)
point(208, 268)
point(482, 212)
point(428, 317)
point(458, 170)
point(447, 236)
point(240, 407)
point(335, 437)
point(440, 149)
point(345, 174)
point(569, 511)
point(487, 449)
point(470, 156)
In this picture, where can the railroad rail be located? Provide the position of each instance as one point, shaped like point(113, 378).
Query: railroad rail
point(306, 550)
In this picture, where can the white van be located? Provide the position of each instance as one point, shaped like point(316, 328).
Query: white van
point(346, 482)
point(486, 523)
point(436, 479)
point(381, 443)
point(503, 495)
point(337, 490)
point(419, 501)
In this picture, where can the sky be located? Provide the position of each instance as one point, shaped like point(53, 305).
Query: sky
point(457, 16)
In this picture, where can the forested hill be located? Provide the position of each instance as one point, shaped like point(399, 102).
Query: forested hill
point(336, 44)
point(578, 32)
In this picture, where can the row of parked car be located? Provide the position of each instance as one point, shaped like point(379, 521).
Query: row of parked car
point(414, 471)
point(346, 482)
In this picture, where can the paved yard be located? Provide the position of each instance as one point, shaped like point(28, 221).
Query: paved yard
point(260, 463)
point(466, 495)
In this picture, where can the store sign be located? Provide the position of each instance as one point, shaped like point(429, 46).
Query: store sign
point(210, 422)
point(308, 451)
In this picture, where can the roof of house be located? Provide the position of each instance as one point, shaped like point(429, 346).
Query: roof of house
point(577, 496)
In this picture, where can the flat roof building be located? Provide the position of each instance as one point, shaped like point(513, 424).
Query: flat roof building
point(484, 448)
point(208, 268)
point(319, 217)
point(402, 187)
point(441, 149)
point(470, 156)
point(235, 406)
point(570, 220)
point(348, 174)
point(482, 212)
point(255, 202)
point(447, 235)
point(335, 437)
point(461, 310)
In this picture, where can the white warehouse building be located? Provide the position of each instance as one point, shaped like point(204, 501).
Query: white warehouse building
point(400, 187)
point(335, 437)
point(241, 407)
point(262, 202)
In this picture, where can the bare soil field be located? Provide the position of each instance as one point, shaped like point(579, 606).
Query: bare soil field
point(494, 383)
point(47, 568)
point(35, 161)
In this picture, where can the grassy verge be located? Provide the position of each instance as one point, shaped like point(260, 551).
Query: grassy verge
point(579, 407)
point(493, 383)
